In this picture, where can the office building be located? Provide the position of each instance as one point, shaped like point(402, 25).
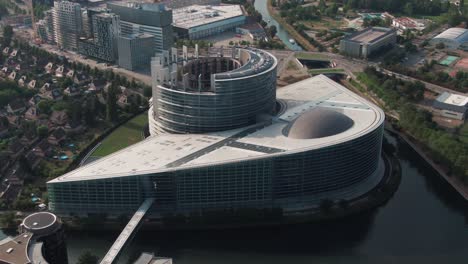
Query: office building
point(452, 106)
point(321, 142)
point(200, 21)
point(41, 240)
point(49, 24)
point(105, 30)
point(146, 18)
point(67, 24)
point(364, 44)
point(135, 51)
point(198, 96)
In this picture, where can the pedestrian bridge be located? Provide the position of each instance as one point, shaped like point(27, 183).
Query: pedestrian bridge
point(127, 232)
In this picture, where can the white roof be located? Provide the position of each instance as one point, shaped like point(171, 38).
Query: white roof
point(455, 99)
point(197, 15)
point(458, 34)
point(169, 152)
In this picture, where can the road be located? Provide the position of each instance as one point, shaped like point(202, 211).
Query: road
point(351, 66)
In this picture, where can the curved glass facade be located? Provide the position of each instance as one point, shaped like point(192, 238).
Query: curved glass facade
point(288, 180)
point(233, 99)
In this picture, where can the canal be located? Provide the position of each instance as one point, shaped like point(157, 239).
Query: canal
point(261, 6)
point(424, 222)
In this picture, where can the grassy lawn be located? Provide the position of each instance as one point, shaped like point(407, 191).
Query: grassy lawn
point(326, 70)
point(464, 133)
point(357, 86)
point(310, 56)
point(124, 136)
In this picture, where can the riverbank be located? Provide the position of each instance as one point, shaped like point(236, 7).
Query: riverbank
point(290, 29)
point(461, 188)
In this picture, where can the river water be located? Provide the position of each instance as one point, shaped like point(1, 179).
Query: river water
point(426, 221)
point(261, 6)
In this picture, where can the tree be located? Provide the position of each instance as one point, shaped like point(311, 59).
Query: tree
point(408, 9)
point(111, 103)
point(8, 219)
point(42, 131)
point(7, 35)
point(88, 258)
point(272, 31)
point(147, 91)
point(90, 110)
point(45, 106)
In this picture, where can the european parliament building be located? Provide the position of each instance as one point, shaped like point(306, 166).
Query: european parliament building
point(290, 148)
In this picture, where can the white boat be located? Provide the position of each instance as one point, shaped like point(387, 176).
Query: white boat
point(292, 41)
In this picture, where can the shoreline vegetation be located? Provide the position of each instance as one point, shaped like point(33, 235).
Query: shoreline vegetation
point(415, 128)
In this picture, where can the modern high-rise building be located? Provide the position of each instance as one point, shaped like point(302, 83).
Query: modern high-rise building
point(41, 240)
point(135, 51)
point(41, 30)
point(320, 142)
point(105, 30)
point(67, 24)
point(49, 25)
point(146, 18)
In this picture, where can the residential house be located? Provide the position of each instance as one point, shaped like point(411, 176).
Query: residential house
point(45, 88)
point(12, 75)
point(4, 72)
point(74, 127)
point(97, 85)
point(81, 79)
point(32, 84)
point(49, 67)
point(5, 160)
point(59, 71)
point(33, 159)
point(6, 50)
point(16, 107)
point(16, 148)
point(43, 149)
point(31, 114)
point(72, 91)
point(58, 119)
point(14, 120)
point(123, 100)
point(70, 73)
point(55, 95)
point(35, 100)
point(22, 81)
point(57, 136)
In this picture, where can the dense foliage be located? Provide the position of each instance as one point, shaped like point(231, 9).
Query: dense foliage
point(409, 7)
point(10, 91)
point(444, 147)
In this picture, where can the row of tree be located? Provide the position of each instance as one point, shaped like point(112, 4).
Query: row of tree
point(443, 146)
